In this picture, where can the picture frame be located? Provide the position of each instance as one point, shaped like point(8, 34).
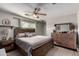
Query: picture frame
point(6, 22)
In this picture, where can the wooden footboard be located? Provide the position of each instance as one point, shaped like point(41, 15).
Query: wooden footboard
point(40, 51)
point(21, 51)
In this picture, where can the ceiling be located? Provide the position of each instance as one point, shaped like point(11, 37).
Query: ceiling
point(54, 11)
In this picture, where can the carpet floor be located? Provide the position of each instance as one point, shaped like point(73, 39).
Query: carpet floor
point(56, 51)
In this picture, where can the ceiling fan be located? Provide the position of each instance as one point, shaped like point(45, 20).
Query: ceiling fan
point(36, 13)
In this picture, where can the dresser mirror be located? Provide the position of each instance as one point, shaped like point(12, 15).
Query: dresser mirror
point(64, 27)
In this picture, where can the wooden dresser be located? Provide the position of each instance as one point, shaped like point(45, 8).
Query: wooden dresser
point(65, 36)
point(67, 40)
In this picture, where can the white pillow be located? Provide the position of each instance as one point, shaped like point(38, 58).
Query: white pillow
point(28, 34)
point(21, 35)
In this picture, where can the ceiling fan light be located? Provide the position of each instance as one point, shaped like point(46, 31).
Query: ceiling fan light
point(34, 15)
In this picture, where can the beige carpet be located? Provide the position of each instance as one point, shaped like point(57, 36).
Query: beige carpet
point(56, 51)
point(59, 51)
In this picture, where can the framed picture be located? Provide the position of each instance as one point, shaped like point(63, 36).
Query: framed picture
point(6, 22)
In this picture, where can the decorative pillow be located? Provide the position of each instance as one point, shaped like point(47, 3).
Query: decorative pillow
point(28, 34)
point(21, 35)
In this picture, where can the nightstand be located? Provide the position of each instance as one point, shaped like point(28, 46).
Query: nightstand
point(8, 45)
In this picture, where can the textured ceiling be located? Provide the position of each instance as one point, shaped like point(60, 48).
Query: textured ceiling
point(54, 11)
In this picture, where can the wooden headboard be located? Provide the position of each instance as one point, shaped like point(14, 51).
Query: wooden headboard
point(21, 30)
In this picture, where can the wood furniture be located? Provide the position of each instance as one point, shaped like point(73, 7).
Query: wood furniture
point(6, 26)
point(65, 38)
point(40, 51)
point(1, 44)
point(8, 45)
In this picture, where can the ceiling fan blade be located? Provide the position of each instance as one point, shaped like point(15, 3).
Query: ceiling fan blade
point(27, 14)
point(39, 9)
point(36, 10)
point(42, 14)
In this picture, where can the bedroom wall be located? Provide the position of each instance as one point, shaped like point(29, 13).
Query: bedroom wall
point(40, 28)
point(14, 22)
point(64, 19)
point(6, 15)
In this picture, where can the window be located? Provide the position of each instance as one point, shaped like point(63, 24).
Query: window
point(25, 24)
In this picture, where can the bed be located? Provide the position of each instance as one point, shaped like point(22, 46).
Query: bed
point(33, 46)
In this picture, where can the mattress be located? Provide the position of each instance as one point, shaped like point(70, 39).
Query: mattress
point(29, 43)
